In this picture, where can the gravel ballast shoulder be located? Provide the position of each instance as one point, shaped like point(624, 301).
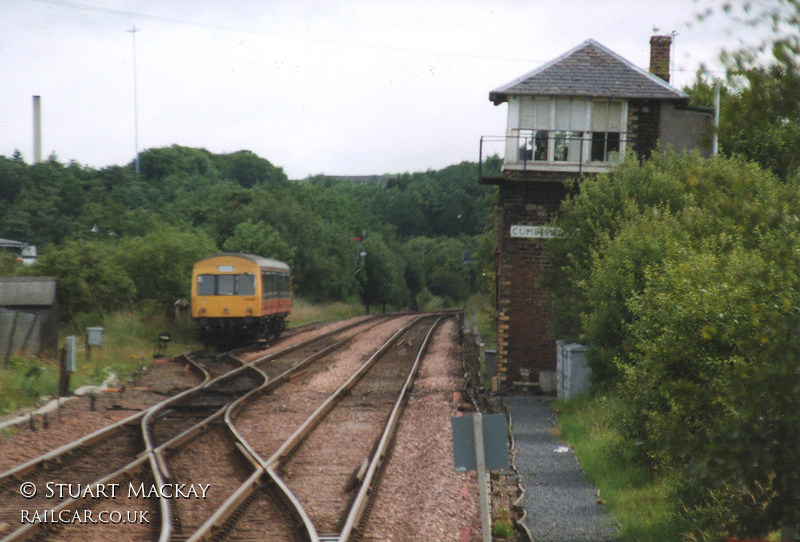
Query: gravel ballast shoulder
point(561, 504)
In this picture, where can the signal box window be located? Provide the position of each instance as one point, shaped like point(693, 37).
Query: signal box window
point(570, 130)
point(533, 145)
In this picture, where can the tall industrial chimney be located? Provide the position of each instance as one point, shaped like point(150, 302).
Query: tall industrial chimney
point(37, 129)
point(659, 56)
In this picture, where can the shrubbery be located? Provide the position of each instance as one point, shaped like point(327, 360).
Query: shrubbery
point(682, 275)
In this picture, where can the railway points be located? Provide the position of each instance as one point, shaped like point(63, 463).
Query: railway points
point(248, 430)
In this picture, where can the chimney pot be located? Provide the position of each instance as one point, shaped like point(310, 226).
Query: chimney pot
point(659, 56)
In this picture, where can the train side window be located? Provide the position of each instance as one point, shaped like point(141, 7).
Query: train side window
point(206, 284)
point(225, 284)
point(245, 284)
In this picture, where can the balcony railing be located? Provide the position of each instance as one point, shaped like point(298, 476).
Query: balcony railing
point(551, 150)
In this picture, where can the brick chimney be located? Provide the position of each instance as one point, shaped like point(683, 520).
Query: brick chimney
point(659, 56)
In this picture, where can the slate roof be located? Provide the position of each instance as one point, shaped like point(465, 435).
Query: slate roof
point(27, 291)
point(8, 243)
point(590, 70)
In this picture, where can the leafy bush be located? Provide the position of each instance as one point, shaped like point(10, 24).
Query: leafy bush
point(715, 393)
point(683, 276)
point(23, 381)
point(89, 277)
point(160, 262)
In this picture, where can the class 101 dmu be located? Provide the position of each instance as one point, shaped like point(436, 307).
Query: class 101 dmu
point(240, 297)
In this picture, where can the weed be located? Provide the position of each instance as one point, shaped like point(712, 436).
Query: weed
point(638, 497)
point(503, 528)
point(23, 381)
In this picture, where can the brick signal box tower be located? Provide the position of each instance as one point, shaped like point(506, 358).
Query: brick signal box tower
point(576, 115)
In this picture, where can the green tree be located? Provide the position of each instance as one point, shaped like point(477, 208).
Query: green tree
point(594, 215)
point(615, 229)
point(248, 169)
point(160, 262)
point(89, 278)
point(323, 253)
point(684, 276)
point(381, 275)
point(258, 238)
point(9, 266)
point(760, 112)
point(715, 392)
point(13, 177)
point(158, 163)
point(442, 263)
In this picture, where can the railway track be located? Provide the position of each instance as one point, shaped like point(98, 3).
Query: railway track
point(311, 486)
point(286, 487)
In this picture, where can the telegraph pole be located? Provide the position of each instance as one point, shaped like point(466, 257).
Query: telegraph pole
point(133, 32)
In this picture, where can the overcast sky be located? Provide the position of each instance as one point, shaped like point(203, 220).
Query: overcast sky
point(335, 87)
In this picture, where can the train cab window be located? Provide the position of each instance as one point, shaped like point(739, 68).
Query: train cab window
point(245, 284)
point(206, 284)
point(225, 284)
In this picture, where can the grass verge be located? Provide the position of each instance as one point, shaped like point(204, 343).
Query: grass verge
point(480, 307)
point(638, 498)
point(130, 340)
point(305, 312)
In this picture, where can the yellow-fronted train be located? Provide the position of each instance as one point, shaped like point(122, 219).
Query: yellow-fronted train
point(240, 297)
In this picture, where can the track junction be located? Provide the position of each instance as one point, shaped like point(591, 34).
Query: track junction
point(285, 444)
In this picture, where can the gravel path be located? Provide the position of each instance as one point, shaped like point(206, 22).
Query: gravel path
point(560, 502)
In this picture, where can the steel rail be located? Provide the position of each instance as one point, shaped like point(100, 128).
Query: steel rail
point(26, 531)
point(378, 457)
point(161, 471)
point(234, 501)
point(296, 505)
point(187, 434)
point(156, 453)
point(297, 437)
point(153, 454)
point(157, 463)
point(316, 417)
point(53, 455)
point(307, 342)
point(225, 511)
point(208, 529)
point(104, 432)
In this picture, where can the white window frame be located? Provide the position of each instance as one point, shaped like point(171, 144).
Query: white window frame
point(532, 115)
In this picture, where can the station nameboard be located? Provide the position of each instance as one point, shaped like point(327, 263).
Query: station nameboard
point(534, 232)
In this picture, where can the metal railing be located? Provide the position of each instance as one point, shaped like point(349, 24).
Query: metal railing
point(557, 146)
